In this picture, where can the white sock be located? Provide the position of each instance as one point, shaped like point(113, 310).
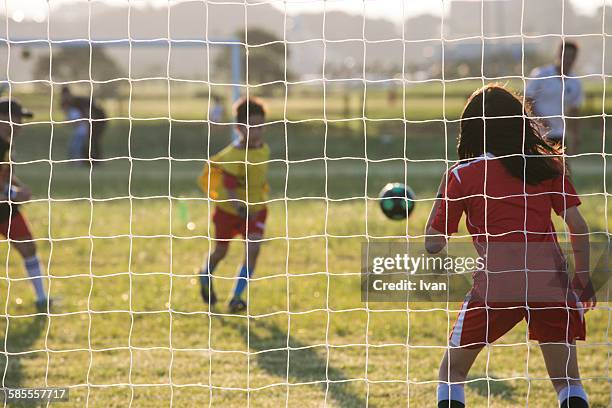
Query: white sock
point(447, 392)
point(572, 391)
point(32, 265)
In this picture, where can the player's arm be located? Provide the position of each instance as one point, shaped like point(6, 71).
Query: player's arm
point(5, 173)
point(10, 186)
point(14, 189)
point(435, 241)
point(579, 236)
point(20, 191)
point(16, 181)
point(446, 212)
point(230, 182)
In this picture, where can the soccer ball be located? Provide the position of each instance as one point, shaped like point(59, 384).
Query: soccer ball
point(396, 201)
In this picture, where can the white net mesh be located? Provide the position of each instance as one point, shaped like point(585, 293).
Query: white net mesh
point(358, 94)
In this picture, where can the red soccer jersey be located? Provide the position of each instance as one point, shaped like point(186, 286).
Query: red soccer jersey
point(511, 227)
point(500, 207)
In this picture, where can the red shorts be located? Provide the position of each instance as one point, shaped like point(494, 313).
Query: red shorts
point(478, 325)
point(228, 225)
point(16, 228)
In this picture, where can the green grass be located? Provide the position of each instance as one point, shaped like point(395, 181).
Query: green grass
point(136, 299)
point(131, 322)
point(433, 100)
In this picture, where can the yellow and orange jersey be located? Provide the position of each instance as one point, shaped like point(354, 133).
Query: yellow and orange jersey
point(249, 166)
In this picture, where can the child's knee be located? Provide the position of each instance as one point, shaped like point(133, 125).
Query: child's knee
point(452, 373)
point(27, 249)
point(254, 248)
point(456, 365)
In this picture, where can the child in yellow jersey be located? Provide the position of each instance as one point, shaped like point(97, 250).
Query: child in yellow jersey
point(236, 179)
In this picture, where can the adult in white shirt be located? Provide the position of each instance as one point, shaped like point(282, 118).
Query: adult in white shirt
point(556, 95)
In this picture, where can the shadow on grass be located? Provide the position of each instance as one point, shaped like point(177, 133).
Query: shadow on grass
point(22, 334)
point(485, 385)
point(305, 364)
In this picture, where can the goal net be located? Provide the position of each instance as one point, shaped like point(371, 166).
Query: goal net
point(132, 103)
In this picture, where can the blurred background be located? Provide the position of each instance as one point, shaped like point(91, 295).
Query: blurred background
point(381, 74)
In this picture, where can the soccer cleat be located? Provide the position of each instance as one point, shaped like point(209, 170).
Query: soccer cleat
point(208, 293)
point(237, 305)
point(450, 404)
point(44, 305)
point(575, 402)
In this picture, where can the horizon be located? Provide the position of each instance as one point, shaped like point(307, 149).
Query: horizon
point(392, 10)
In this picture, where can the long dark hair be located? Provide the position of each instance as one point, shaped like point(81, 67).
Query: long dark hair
point(506, 129)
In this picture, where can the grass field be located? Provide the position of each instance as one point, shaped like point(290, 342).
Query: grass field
point(131, 328)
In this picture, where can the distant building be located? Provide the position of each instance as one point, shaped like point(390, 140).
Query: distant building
point(468, 18)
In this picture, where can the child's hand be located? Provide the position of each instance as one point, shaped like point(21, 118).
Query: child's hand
point(583, 287)
point(16, 194)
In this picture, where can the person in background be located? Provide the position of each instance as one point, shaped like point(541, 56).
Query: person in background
point(14, 193)
point(237, 179)
point(217, 112)
point(556, 95)
point(89, 123)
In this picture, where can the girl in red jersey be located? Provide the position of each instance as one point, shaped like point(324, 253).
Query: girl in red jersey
point(508, 182)
point(13, 224)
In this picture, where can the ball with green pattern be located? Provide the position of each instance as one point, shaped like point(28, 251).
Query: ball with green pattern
point(397, 201)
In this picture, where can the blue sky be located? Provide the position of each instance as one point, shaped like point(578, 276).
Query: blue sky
point(391, 9)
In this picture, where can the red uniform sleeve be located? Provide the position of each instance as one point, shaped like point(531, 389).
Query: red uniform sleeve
point(229, 181)
point(448, 215)
point(563, 195)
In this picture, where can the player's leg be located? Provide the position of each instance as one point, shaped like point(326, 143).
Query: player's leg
point(254, 231)
point(206, 284)
point(86, 145)
point(97, 129)
point(79, 147)
point(477, 324)
point(19, 233)
point(453, 372)
point(556, 328)
point(562, 365)
point(225, 229)
point(253, 244)
point(74, 148)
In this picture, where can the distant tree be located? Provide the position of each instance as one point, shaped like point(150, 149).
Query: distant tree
point(266, 63)
point(72, 64)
